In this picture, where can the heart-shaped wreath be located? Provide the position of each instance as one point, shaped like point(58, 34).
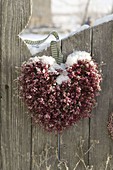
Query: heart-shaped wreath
point(110, 125)
point(58, 95)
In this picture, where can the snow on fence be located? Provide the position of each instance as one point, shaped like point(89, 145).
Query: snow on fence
point(25, 146)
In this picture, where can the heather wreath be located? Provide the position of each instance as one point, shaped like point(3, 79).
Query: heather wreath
point(110, 125)
point(59, 95)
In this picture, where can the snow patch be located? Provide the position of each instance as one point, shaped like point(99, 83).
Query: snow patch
point(34, 59)
point(103, 20)
point(47, 60)
point(62, 78)
point(82, 28)
point(36, 49)
point(54, 67)
point(77, 55)
point(44, 59)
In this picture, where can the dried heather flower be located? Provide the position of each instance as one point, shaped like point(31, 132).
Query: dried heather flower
point(110, 125)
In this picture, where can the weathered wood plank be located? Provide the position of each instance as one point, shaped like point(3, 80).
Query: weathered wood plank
point(41, 13)
point(0, 86)
point(78, 41)
point(102, 50)
point(76, 139)
point(44, 149)
point(71, 139)
point(16, 128)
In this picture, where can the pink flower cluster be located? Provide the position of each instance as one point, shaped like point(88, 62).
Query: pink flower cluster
point(55, 106)
point(110, 125)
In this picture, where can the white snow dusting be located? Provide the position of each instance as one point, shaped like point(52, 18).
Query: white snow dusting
point(34, 59)
point(36, 49)
point(47, 60)
point(44, 59)
point(82, 28)
point(61, 78)
point(103, 20)
point(77, 55)
point(54, 67)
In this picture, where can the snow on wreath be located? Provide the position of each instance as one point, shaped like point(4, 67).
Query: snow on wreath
point(60, 95)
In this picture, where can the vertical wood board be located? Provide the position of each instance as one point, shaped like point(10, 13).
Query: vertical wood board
point(102, 50)
point(75, 140)
point(16, 127)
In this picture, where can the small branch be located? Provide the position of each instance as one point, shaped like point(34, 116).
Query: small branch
point(108, 161)
point(86, 11)
point(65, 164)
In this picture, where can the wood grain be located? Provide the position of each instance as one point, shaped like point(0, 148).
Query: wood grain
point(0, 85)
point(102, 50)
point(27, 146)
point(16, 127)
point(93, 133)
point(44, 149)
point(75, 140)
point(72, 138)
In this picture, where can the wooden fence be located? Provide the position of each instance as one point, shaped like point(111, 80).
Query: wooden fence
point(28, 147)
